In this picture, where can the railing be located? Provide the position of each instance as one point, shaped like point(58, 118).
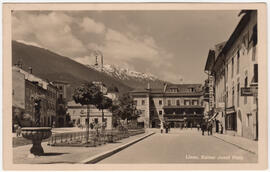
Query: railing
point(95, 138)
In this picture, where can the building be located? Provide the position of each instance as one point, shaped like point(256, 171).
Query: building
point(175, 104)
point(61, 103)
point(18, 95)
point(78, 115)
point(25, 87)
point(235, 68)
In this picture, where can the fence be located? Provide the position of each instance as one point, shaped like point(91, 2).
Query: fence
point(95, 138)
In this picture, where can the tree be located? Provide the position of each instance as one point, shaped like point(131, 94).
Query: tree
point(87, 94)
point(127, 108)
point(105, 103)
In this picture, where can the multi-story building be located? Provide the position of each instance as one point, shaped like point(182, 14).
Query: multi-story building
point(78, 114)
point(234, 68)
point(26, 86)
point(61, 103)
point(18, 95)
point(175, 104)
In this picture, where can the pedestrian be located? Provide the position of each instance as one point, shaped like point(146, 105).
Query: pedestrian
point(53, 125)
point(167, 128)
point(18, 131)
point(198, 126)
point(203, 127)
point(209, 128)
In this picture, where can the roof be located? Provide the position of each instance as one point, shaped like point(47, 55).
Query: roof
point(182, 90)
point(32, 78)
point(60, 82)
point(234, 36)
point(210, 60)
point(183, 106)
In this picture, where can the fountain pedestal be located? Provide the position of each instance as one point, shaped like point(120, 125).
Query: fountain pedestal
point(36, 134)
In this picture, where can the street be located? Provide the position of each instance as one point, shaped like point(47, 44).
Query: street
point(186, 146)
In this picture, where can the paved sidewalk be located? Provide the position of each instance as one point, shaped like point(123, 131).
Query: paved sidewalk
point(241, 142)
point(57, 154)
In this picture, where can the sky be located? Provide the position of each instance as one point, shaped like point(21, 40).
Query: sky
point(172, 45)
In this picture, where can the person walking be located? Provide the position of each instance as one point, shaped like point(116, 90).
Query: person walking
point(18, 131)
point(203, 127)
point(198, 126)
point(209, 128)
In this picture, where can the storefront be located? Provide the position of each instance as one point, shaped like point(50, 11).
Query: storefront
point(231, 119)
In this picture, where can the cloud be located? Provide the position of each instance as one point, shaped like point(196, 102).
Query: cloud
point(89, 25)
point(52, 30)
point(58, 32)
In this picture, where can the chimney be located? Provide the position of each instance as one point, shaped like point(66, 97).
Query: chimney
point(30, 70)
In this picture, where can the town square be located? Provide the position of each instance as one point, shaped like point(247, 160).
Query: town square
point(135, 87)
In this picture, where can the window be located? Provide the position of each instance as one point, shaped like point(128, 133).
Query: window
point(231, 122)
point(60, 87)
point(194, 102)
point(186, 102)
point(227, 71)
point(160, 102)
point(105, 121)
point(253, 53)
point(238, 62)
point(173, 101)
point(248, 120)
point(160, 112)
point(246, 84)
point(232, 66)
point(238, 94)
point(135, 102)
point(169, 102)
point(143, 102)
point(232, 96)
point(178, 102)
point(226, 96)
point(86, 121)
point(96, 120)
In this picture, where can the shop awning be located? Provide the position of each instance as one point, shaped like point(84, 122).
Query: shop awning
point(214, 116)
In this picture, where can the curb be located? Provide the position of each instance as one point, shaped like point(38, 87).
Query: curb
point(103, 155)
point(240, 147)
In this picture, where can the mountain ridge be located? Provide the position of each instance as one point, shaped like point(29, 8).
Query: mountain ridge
point(49, 65)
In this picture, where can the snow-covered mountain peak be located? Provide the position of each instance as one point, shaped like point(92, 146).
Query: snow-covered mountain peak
point(123, 73)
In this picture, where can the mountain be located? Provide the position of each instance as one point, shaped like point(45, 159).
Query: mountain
point(131, 78)
point(53, 67)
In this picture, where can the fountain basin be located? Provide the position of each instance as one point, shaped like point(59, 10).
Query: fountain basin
point(36, 134)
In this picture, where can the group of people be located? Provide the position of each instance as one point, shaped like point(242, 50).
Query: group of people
point(167, 128)
point(205, 126)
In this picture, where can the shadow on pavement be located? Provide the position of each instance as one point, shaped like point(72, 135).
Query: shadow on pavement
point(53, 154)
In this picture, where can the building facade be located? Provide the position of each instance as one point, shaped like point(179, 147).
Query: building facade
point(78, 114)
point(25, 86)
point(175, 104)
point(61, 118)
point(235, 68)
point(18, 96)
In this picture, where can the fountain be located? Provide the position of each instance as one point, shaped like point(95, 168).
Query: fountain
point(35, 132)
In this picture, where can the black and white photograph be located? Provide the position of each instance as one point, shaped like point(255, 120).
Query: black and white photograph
point(94, 85)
